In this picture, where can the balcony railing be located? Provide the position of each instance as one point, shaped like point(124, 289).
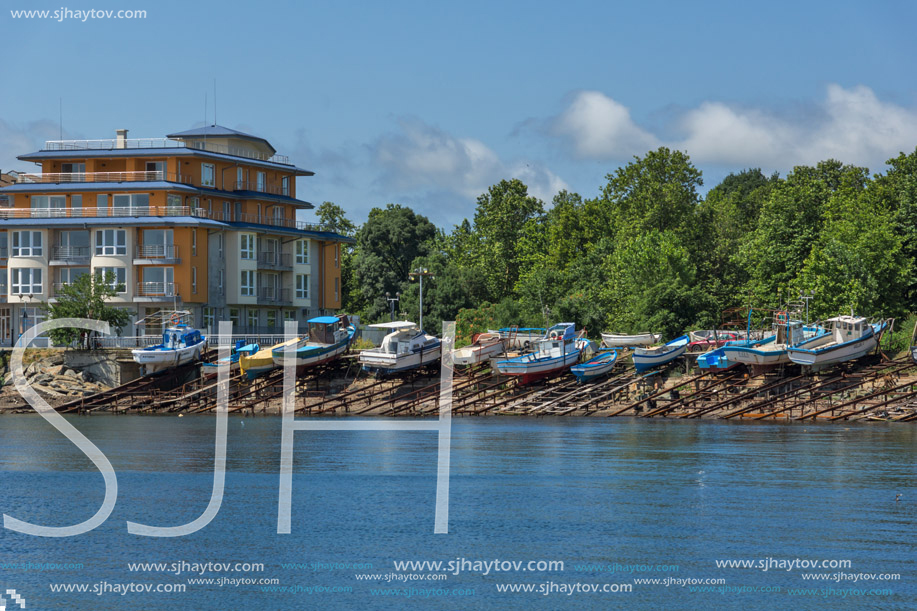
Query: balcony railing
point(157, 289)
point(67, 253)
point(163, 211)
point(271, 294)
point(254, 185)
point(157, 251)
point(275, 259)
point(161, 143)
point(67, 177)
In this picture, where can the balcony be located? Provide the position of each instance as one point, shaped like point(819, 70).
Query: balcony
point(69, 177)
point(156, 291)
point(70, 255)
point(156, 254)
point(275, 260)
point(270, 295)
point(261, 187)
point(160, 143)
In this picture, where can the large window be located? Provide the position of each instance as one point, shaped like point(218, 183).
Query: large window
point(207, 175)
point(234, 317)
point(247, 283)
point(252, 319)
point(240, 179)
point(271, 319)
point(247, 245)
point(208, 318)
point(173, 204)
point(158, 281)
point(4, 245)
point(194, 279)
point(285, 185)
point(155, 170)
point(27, 243)
point(77, 171)
point(26, 281)
point(302, 286)
point(69, 275)
point(118, 277)
point(111, 242)
point(157, 243)
point(261, 181)
point(130, 204)
point(220, 285)
point(302, 252)
point(49, 206)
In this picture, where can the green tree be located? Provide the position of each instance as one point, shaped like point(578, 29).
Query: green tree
point(86, 298)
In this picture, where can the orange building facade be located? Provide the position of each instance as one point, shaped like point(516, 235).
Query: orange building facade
point(202, 220)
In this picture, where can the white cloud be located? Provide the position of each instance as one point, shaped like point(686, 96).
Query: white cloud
point(600, 127)
point(21, 139)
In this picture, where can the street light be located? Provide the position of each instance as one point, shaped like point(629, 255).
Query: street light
point(420, 272)
point(391, 303)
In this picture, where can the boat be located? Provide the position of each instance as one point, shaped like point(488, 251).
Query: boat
point(181, 343)
point(648, 358)
point(702, 341)
point(210, 370)
point(616, 340)
point(849, 337)
point(556, 351)
point(261, 361)
point(483, 346)
point(772, 351)
point(600, 364)
point(328, 338)
point(406, 347)
point(716, 359)
point(519, 338)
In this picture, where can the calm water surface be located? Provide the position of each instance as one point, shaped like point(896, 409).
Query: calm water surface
point(599, 492)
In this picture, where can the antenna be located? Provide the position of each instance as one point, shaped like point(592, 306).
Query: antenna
point(61, 116)
point(214, 101)
point(205, 110)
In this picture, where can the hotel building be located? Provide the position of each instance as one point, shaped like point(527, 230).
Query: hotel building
point(202, 220)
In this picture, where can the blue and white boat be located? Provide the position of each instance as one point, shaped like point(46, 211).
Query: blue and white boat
point(405, 348)
point(596, 367)
point(772, 351)
point(328, 338)
point(558, 350)
point(180, 345)
point(716, 360)
point(519, 338)
point(848, 338)
point(210, 370)
point(648, 358)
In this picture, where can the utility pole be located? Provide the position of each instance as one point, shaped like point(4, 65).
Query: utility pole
point(391, 303)
point(807, 297)
point(420, 272)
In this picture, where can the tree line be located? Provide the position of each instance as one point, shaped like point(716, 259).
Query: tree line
point(648, 252)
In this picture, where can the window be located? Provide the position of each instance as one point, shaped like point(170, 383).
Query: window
point(195, 203)
point(240, 179)
point(220, 285)
point(261, 181)
point(302, 286)
point(3, 281)
point(271, 319)
point(194, 279)
point(173, 204)
point(220, 245)
point(72, 244)
point(118, 277)
point(234, 317)
point(302, 252)
point(337, 252)
point(3, 245)
point(26, 281)
point(130, 204)
point(227, 211)
point(44, 206)
point(157, 243)
point(207, 175)
point(285, 185)
point(278, 215)
point(155, 170)
point(238, 217)
point(102, 202)
point(26, 243)
point(208, 318)
point(247, 245)
point(111, 242)
point(289, 315)
point(252, 319)
point(76, 202)
point(337, 289)
point(248, 283)
point(194, 242)
point(158, 281)
point(76, 170)
point(68, 275)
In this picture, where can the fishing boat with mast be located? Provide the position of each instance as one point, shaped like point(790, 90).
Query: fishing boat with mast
point(181, 343)
point(648, 358)
point(772, 351)
point(847, 338)
point(484, 346)
point(406, 347)
point(328, 338)
point(559, 349)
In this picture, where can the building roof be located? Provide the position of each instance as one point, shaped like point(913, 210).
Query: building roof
point(218, 131)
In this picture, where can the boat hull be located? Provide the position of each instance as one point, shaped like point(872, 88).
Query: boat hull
point(837, 353)
point(532, 370)
point(156, 360)
point(305, 361)
point(715, 360)
point(472, 355)
point(594, 368)
point(648, 358)
point(614, 340)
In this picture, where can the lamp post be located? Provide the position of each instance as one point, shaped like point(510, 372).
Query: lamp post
point(391, 303)
point(420, 272)
point(806, 297)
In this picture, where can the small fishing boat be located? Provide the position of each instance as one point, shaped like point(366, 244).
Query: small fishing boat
point(181, 343)
point(483, 347)
point(772, 351)
point(558, 350)
point(210, 370)
point(600, 364)
point(716, 360)
point(261, 361)
point(519, 338)
point(648, 358)
point(848, 338)
point(615, 340)
point(405, 348)
point(329, 337)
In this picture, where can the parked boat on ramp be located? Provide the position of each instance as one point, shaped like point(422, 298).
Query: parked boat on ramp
point(181, 343)
point(210, 370)
point(600, 364)
point(772, 351)
point(848, 338)
point(406, 347)
point(519, 338)
point(716, 360)
point(484, 346)
point(558, 350)
point(618, 340)
point(328, 338)
point(648, 358)
point(260, 362)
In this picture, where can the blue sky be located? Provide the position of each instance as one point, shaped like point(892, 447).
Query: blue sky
point(427, 104)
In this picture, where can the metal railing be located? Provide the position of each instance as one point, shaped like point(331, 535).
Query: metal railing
point(67, 177)
point(156, 251)
point(161, 143)
point(275, 259)
point(254, 185)
point(272, 294)
point(64, 253)
point(157, 289)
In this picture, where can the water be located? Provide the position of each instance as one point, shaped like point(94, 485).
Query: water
point(583, 491)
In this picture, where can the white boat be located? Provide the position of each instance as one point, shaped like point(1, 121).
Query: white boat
point(180, 345)
point(647, 358)
point(559, 349)
point(773, 350)
point(519, 338)
point(596, 367)
point(328, 338)
point(483, 347)
point(849, 337)
point(405, 348)
point(617, 340)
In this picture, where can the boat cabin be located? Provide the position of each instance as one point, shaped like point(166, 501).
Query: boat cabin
point(404, 339)
point(180, 336)
point(790, 333)
point(322, 329)
point(847, 328)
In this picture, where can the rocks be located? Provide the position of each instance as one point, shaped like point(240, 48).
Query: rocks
point(51, 378)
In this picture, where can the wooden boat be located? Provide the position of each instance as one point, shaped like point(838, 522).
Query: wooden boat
point(210, 370)
point(596, 367)
point(716, 360)
point(648, 358)
point(556, 351)
point(849, 337)
point(181, 343)
point(702, 341)
point(772, 351)
point(519, 338)
point(260, 362)
point(483, 347)
point(616, 340)
point(405, 348)
point(329, 337)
